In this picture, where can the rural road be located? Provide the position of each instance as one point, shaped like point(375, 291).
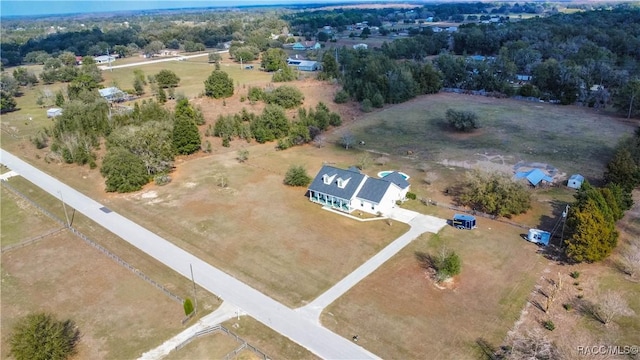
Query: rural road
point(107, 67)
point(290, 323)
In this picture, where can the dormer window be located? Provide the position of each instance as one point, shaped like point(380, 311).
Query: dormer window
point(327, 179)
point(342, 183)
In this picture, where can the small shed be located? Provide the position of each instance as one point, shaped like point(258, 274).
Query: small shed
point(53, 112)
point(575, 181)
point(539, 236)
point(465, 222)
point(534, 176)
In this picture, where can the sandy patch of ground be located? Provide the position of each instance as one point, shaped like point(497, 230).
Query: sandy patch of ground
point(503, 164)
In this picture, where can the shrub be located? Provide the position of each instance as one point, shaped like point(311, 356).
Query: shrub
point(218, 85)
point(411, 196)
point(286, 96)
point(462, 120)
point(575, 274)
point(188, 306)
point(377, 100)
point(567, 307)
point(297, 176)
point(243, 155)
point(549, 325)
point(40, 336)
point(341, 97)
point(335, 119)
point(255, 94)
point(162, 179)
point(365, 106)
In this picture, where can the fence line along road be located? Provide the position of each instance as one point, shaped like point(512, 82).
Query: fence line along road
point(291, 324)
point(86, 239)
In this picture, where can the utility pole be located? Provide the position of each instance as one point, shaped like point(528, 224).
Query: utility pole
point(195, 298)
point(564, 222)
point(109, 60)
point(65, 209)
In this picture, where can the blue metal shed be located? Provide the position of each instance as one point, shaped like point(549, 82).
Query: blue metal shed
point(463, 221)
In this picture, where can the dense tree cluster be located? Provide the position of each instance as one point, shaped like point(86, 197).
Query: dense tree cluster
point(586, 58)
point(144, 143)
point(273, 124)
point(492, 193)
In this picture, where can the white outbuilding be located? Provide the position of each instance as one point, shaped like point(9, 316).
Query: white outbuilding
point(575, 181)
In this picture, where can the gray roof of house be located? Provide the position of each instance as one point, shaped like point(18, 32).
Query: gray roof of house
point(397, 179)
point(110, 92)
point(373, 190)
point(355, 178)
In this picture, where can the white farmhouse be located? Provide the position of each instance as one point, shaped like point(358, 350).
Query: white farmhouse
point(349, 190)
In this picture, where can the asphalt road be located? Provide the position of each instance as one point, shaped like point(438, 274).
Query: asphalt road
point(290, 323)
point(175, 58)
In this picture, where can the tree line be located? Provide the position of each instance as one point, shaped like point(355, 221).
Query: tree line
point(586, 58)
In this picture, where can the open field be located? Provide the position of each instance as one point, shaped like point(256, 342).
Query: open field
point(61, 274)
point(103, 298)
point(257, 229)
point(118, 314)
point(573, 139)
point(21, 221)
point(399, 313)
point(192, 74)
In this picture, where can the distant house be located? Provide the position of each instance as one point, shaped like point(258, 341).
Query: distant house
point(349, 190)
point(535, 177)
point(306, 45)
point(360, 46)
point(112, 94)
point(303, 65)
point(104, 59)
point(575, 181)
point(53, 112)
point(521, 77)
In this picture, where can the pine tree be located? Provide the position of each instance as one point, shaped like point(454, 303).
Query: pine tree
point(186, 137)
point(592, 236)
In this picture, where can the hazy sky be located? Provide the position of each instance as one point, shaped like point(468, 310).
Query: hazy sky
point(50, 7)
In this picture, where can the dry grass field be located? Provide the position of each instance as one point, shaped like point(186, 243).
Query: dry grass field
point(257, 229)
point(119, 315)
point(399, 312)
point(571, 138)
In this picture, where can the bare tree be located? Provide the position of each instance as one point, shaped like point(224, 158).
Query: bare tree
point(382, 160)
point(532, 346)
point(364, 161)
point(347, 140)
point(611, 306)
point(319, 141)
point(630, 260)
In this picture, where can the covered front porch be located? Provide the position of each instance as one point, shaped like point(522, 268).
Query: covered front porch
point(332, 201)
